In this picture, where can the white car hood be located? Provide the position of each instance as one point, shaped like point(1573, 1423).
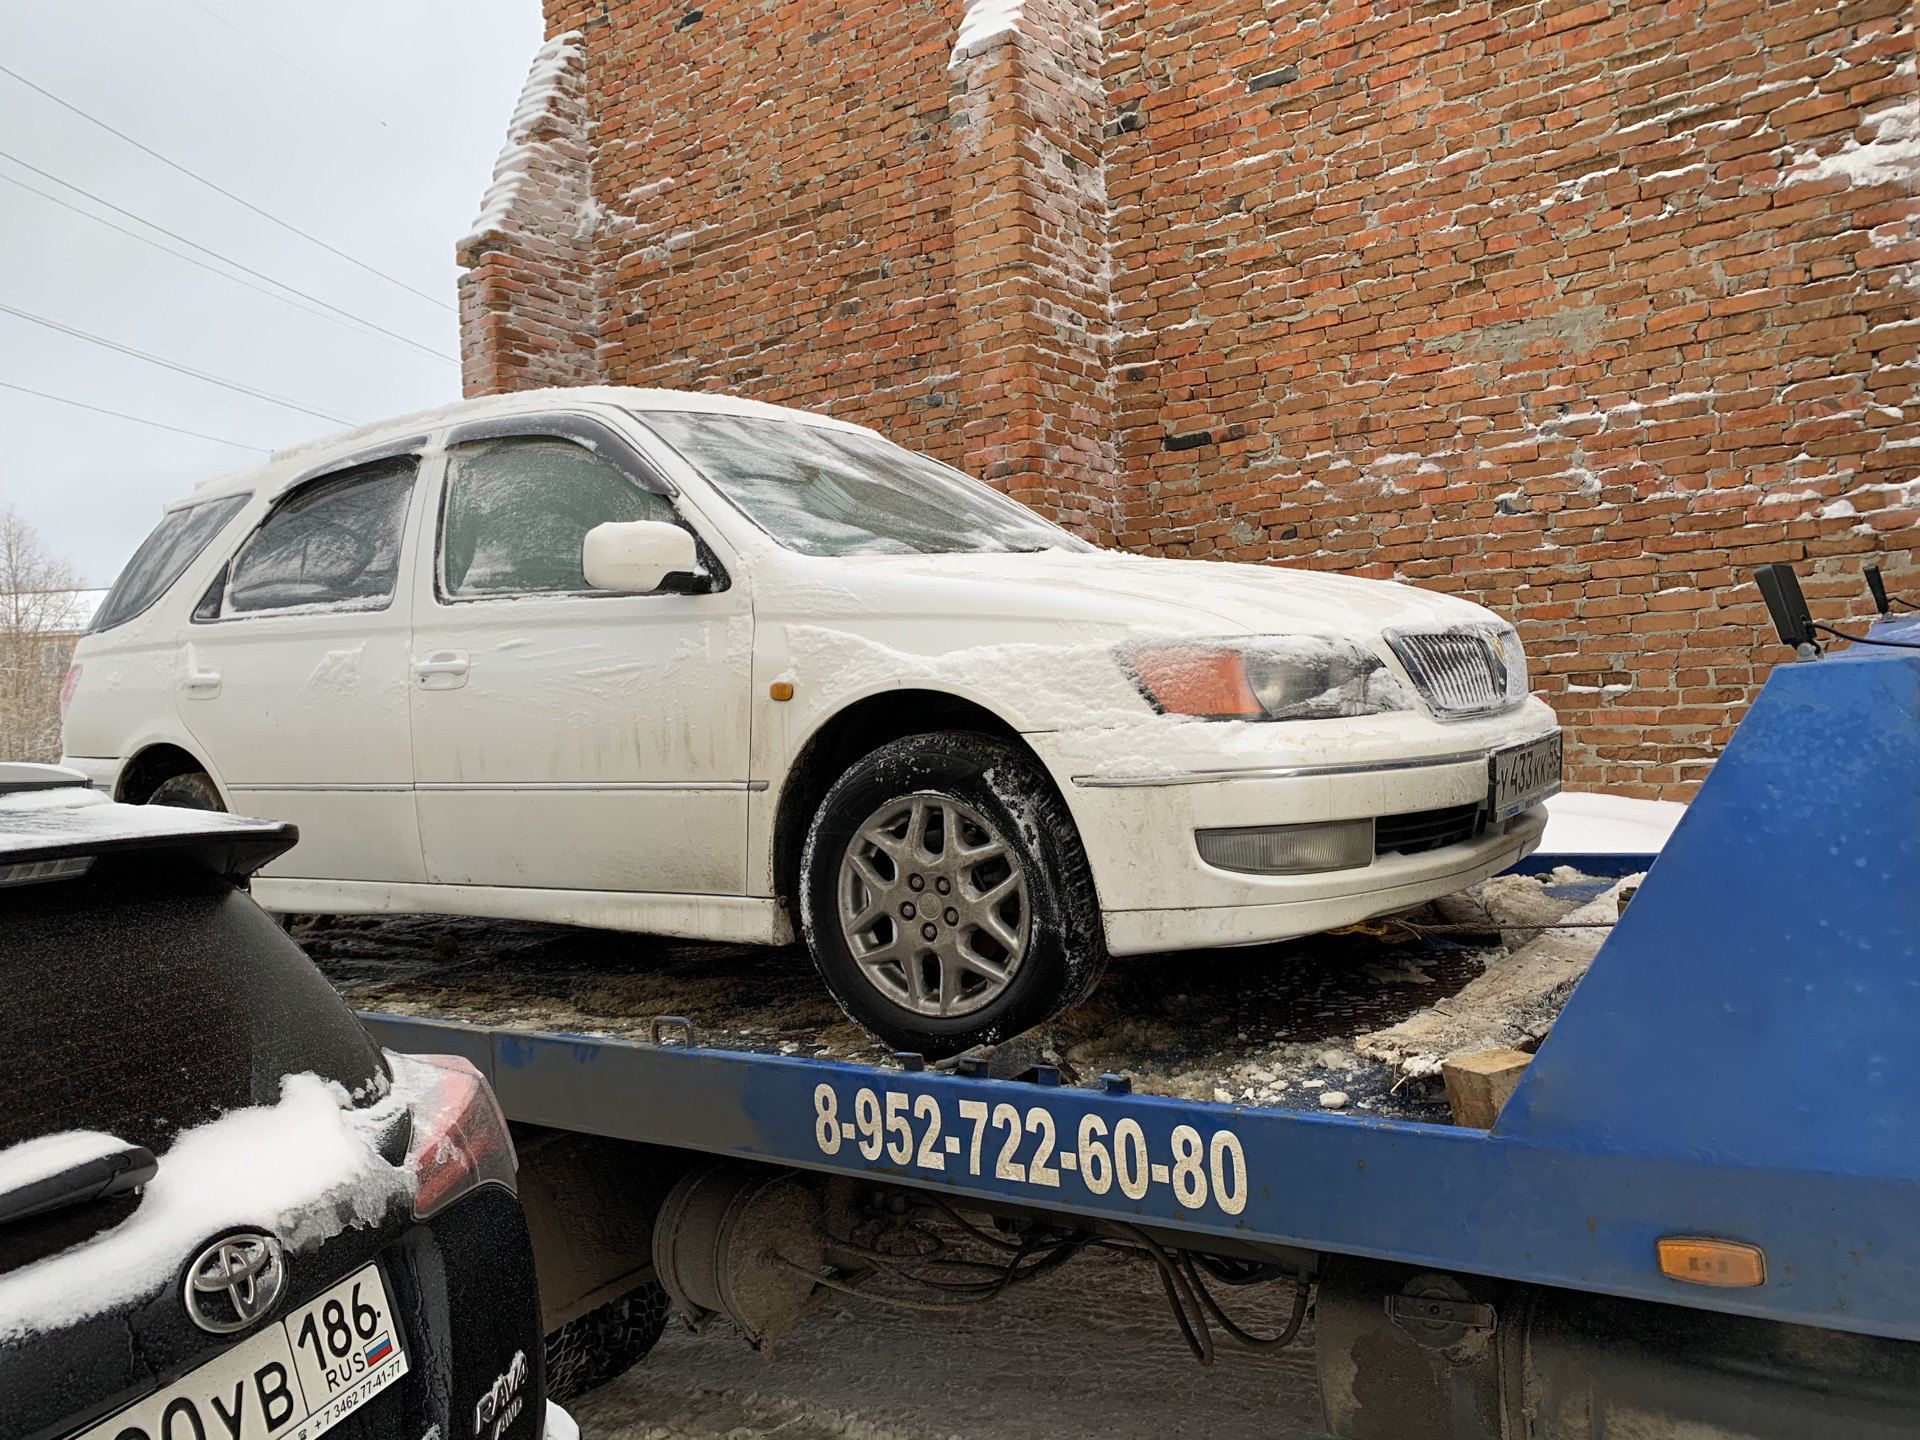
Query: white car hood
point(1185, 596)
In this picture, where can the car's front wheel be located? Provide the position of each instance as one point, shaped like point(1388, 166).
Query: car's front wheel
point(946, 897)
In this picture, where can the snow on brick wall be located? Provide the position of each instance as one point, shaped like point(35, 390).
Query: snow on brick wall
point(549, 121)
point(983, 22)
point(1581, 308)
point(529, 302)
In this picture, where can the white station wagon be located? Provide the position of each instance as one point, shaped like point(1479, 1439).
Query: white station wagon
point(698, 666)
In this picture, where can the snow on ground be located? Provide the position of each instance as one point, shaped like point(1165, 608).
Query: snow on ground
point(1586, 824)
point(1087, 1353)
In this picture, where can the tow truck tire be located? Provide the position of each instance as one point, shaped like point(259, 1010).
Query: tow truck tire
point(194, 790)
point(973, 795)
point(603, 1344)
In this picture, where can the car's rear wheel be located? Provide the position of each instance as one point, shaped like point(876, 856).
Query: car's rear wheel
point(194, 790)
point(946, 897)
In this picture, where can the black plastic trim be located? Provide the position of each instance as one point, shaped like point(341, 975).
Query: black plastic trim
point(234, 850)
point(583, 430)
point(413, 445)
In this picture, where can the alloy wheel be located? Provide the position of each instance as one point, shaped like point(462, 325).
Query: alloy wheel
point(933, 904)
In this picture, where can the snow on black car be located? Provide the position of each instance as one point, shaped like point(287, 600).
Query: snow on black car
point(225, 1214)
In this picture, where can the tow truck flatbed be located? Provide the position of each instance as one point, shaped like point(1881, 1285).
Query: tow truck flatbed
point(1738, 1065)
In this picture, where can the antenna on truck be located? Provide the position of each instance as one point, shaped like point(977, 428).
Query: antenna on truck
point(1879, 589)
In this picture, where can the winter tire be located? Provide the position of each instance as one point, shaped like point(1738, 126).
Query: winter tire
point(945, 896)
point(194, 790)
point(603, 1344)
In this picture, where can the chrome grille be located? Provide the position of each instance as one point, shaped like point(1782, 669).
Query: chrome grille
point(1458, 672)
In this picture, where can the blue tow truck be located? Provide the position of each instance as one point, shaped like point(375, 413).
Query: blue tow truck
point(1698, 1214)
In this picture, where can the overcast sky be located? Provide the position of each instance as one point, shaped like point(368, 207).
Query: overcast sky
point(372, 127)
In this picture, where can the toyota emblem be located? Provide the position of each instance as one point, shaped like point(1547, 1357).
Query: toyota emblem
point(234, 1282)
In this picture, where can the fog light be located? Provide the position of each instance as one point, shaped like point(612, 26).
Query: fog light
point(1289, 849)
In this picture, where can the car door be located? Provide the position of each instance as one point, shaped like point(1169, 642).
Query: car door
point(294, 674)
point(567, 738)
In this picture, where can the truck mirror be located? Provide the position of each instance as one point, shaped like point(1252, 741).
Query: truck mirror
point(636, 557)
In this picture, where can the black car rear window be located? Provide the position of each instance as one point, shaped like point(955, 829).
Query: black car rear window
point(146, 1001)
point(174, 545)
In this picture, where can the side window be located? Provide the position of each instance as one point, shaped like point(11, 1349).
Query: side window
point(518, 509)
point(335, 542)
point(161, 558)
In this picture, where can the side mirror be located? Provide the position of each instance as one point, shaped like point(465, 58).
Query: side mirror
point(636, 557)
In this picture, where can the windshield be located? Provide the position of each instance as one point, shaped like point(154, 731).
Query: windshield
point(838, 492)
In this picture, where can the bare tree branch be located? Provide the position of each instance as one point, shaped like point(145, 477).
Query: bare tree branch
point(38, 624)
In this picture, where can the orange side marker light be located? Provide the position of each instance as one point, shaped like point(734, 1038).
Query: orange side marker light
point(1711, 1262)
point(1196, 680)
point(780, 690)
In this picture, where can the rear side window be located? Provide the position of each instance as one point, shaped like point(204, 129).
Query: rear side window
point(333, 543)
point(173, 546)
point(143, 1004)
point(517, 511)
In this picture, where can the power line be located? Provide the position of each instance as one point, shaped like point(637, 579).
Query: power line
point(247, 204)
point(291, 65)
point(417, 135)
point(174, 365)
point(344, 318)
point(137, 419)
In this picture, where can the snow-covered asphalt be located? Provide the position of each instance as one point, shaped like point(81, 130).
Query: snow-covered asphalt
point(1087, 1353)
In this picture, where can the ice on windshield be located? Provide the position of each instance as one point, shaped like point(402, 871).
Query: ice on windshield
point(336, 542)
point(161, 558)
point(839, 492)
point(518, 510)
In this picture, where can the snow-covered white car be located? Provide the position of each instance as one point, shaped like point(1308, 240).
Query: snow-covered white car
point(699, 666)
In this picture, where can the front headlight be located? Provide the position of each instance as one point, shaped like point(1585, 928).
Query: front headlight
point(1515, 657)
point(1275, 677)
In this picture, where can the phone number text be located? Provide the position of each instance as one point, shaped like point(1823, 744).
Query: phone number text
point(912, 1130)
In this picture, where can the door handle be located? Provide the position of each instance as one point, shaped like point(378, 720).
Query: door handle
point(201, 684)
point(442, 670)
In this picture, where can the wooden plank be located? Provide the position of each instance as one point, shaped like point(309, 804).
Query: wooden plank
point(1478, 1085)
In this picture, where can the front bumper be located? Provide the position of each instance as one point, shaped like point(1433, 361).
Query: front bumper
point(1324, 902)
point(1156, 893)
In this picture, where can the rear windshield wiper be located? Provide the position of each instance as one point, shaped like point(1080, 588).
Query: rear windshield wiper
point(56, 1171)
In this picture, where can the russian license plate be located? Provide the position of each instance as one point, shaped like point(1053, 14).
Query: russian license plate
point(296, 1379)
point(1520, 778)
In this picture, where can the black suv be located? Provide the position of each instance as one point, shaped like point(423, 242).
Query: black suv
point(225, 1214)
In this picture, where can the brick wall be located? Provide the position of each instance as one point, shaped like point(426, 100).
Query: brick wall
point(529, 302)
point(1579, 309)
